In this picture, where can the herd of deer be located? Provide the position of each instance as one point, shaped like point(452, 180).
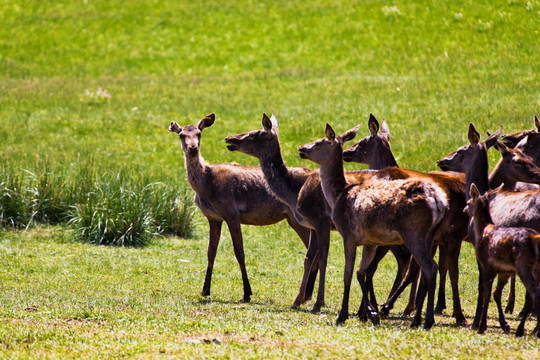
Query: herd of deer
point(385, 208)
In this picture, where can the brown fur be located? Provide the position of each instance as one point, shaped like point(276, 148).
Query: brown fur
point(229, 193)
point(506, 208)
point(503, 250)
point(412, 210)
point(375, 149)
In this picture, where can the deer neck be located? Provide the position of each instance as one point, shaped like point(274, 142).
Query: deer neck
point(197, 170)
point(478, 174)
point(382, 160)
point(332, 176)
point(497, 178)
point(281, 180)
point(480, 220)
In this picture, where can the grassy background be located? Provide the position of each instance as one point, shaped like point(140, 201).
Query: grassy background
point(428, 67)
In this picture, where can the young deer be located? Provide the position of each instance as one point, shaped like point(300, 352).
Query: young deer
point(375, 149)
point(378, 212)
point(232, 193)
point(500, 250)
point(510, 209)
point(527, 141)
point(287, 183)
point(301, 189)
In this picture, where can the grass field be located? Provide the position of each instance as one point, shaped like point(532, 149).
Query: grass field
point(428, 67)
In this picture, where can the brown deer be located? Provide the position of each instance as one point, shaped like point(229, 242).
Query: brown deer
point(286, 183)
point(527, 141)
point(375, 149)
point(510, 209)
point(301, 189)
point(504, 250)
point(232, 193)
point(378, 212)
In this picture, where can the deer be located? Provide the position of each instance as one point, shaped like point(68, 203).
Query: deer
point(500, 250)
point(375, 212)
point(527, 141)
point(509, 209)
point(234, 194)
point(375, 149)
point(301, 189)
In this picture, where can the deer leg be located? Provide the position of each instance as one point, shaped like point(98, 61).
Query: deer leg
point(527, 307)
point(412, 276)
point(238, 245)
point(323, 240)
point(350, 256)
point(366, 309)
point(304, 234)
point(511, 299)
point(486, 295)
point(443, 269)
point(533, 295)
point(213, 242)
point(429, 274)
point(502, 279)
point(403, 258)
point(369, 273)
point(452, 256)
point(479, 302)
point(309, 261)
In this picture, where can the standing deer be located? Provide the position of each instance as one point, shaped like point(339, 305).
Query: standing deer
point(301, 189)
point(378, 212)
point(500, 250)
point(509, 209)
point(375, 149)
point(232, 193)
point(527, 141)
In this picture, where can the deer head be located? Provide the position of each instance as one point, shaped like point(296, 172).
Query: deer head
point(374, 149)
point(325, 149)
point(516, 166)
point(462, 159)
point(255, 143)
point(512, 139)
point(190, 135)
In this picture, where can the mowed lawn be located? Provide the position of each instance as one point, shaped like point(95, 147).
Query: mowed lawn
point(429, 68)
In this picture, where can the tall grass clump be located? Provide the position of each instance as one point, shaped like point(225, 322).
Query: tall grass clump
point(15, 209)
point(114, 213)
point(125, 212)
point(172, 209)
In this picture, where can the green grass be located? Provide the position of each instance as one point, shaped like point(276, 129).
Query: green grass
point(428, 67)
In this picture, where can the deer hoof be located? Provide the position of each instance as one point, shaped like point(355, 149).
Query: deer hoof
point(408, 311)
point(428, 324)
point(341, 318)
point(416, 322)
point(205, 292)
point(375, 319)
point(385, 310)
point(316, 308)
point(506, 328)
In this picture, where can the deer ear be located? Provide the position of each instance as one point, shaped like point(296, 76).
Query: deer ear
point(492, 139)
point(266, 123)
point(175, 128)
point(537, 123)
point(474, 136)
point(349, 134)
point(330, 134)
point(474, 193)
point(384, 129)
point(499, 145)
point(521, 144)
point(206, 121)
point(373, 125)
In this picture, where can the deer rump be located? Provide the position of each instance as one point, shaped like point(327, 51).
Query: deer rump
point(383, 211)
